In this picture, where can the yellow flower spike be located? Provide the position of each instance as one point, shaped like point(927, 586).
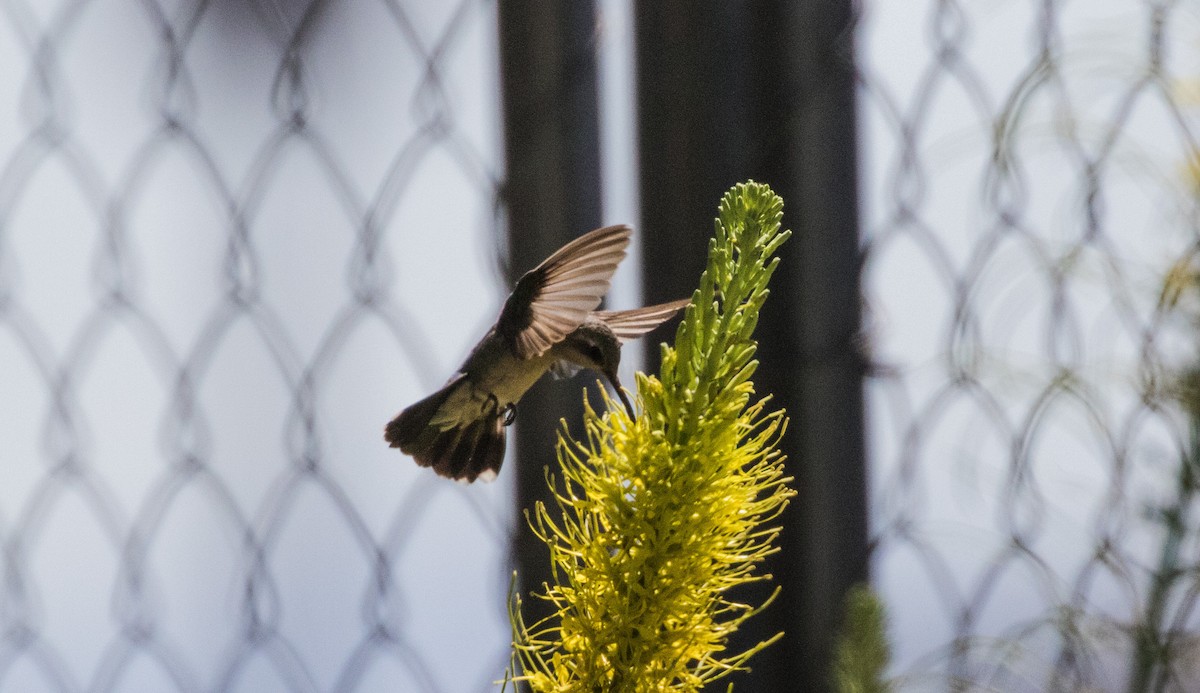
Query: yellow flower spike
point(662, 515)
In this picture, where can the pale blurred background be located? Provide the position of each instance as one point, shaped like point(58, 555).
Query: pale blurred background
point(236, 237)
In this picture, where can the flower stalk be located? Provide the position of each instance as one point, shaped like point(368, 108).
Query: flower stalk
point(660, 516)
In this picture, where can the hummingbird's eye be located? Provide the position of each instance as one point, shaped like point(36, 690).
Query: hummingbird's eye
point(593, 352)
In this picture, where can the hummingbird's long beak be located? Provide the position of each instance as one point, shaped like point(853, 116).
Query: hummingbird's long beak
point(612, 378)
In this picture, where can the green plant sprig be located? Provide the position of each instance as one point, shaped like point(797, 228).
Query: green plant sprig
point(660, 516)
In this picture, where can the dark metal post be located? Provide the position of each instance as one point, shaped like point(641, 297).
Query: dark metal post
point(828, 542)
point(765, 90)
point(548, 70)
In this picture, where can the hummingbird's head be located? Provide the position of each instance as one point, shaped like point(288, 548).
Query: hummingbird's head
point(593, 345)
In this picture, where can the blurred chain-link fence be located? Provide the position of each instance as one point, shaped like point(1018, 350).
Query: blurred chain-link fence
point(225, 233)
point(219, 226)
point(1030, 220)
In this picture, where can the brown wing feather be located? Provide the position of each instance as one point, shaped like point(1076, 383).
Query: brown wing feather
point(631, 324)
point(554, 298)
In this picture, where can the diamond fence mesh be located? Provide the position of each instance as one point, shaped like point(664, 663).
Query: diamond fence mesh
point(1030, 238)
point(218, 221)
point(220, 229)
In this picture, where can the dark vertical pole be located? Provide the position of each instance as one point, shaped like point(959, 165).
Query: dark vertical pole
point(827, 544)
point(548, 70)
point(765, 90)
point(690, 63)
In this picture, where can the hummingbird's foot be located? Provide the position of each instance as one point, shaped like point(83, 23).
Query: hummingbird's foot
point(490, 403)
point(510, 413)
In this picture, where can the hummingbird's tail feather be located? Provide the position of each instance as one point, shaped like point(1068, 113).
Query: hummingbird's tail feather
point(631, 324)
point(469, 451)
point(405, 430)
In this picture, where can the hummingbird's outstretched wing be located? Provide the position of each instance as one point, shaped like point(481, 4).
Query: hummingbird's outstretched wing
point(467, 451)
point(554, 298)
point(631, 324)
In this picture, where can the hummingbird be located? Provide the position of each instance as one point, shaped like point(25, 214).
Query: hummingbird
point(548, 323)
